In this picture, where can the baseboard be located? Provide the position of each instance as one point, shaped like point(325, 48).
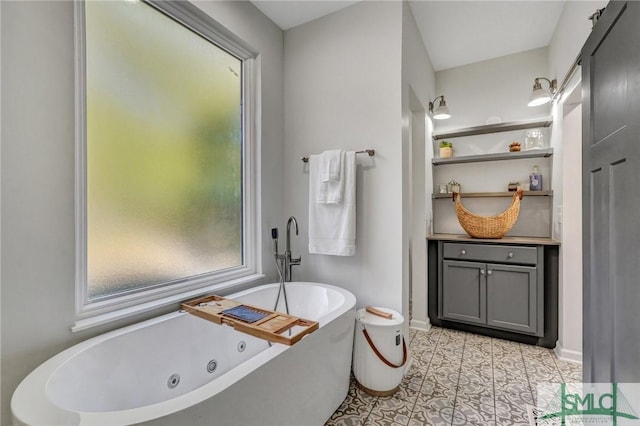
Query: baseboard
point(420, 325)
point(567, 355)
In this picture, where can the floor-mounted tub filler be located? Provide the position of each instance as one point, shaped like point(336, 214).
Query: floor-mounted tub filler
point(178, 369)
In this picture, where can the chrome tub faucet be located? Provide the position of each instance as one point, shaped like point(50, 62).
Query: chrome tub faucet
point(289, 262)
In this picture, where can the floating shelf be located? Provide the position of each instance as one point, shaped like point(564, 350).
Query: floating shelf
point(496, 194)
point(494, 128)
point(532, 153)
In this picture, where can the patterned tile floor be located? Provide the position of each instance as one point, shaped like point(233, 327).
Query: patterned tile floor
point(460, 378)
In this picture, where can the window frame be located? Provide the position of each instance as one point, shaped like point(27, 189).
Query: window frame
point(90, 314)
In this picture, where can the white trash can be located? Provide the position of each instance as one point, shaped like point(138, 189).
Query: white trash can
point(379, 351)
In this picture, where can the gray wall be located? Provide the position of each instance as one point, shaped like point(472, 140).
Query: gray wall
point(353, 79)
point(343, 91)
point(350, 78)
point(418, 88)
point(37, 169)
point(570, 34)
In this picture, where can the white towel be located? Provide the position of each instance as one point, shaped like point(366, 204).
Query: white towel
point(331, 177)
point(332, 227)
point(331, 165)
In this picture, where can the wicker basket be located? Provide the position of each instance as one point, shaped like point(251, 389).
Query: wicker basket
point(488, 226)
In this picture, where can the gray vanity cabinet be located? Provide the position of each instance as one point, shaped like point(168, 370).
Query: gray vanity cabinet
point(505, 288)
point(506, 295)
point(465, 293)
point(512, 300)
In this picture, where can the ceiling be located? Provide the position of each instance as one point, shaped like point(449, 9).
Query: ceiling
point(454, 32)
point(291, 13)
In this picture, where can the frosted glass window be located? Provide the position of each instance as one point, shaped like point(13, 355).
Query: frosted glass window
point(164, 190)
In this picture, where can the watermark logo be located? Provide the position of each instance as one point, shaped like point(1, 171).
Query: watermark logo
point(587, 404)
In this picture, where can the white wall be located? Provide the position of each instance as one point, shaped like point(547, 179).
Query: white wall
point(573, 29)
point(0, 220)
point(498, 88)
point(418, 88)
point(38, 180)
point(571, 32)
point(570, 288)
point(495, 89)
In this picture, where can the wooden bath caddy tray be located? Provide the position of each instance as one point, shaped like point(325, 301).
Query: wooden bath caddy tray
point(258, 322)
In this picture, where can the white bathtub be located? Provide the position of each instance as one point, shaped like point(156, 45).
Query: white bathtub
point(123, 377)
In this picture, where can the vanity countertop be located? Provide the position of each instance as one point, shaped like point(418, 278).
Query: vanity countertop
point(503, 240)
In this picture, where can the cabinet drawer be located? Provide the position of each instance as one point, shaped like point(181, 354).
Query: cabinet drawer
point(491, 253)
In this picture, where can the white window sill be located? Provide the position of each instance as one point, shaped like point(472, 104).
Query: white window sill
point(96, 320)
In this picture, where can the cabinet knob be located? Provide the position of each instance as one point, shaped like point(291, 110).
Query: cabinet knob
point(510, 255)
point(481, 271)
point(489, 272)
point(463, 252)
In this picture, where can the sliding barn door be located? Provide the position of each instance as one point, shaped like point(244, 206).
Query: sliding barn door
point(611, 198)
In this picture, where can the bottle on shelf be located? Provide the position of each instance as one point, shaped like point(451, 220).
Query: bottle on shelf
point(535, 180)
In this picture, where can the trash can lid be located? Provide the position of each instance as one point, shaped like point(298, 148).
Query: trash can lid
point(368, 318)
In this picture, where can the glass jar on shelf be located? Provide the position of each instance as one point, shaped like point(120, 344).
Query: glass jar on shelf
point(533, 139)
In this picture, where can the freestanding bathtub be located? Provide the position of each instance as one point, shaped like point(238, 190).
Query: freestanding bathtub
point(178, 369)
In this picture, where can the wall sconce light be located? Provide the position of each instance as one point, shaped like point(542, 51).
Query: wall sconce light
point(440, 113)
point(541, 96)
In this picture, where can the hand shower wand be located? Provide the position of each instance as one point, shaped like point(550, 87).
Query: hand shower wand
point(279, 258)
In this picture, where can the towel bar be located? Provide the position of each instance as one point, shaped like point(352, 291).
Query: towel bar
point(371, 153)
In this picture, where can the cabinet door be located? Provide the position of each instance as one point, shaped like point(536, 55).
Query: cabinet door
point(464, 291)
point(512, 297)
